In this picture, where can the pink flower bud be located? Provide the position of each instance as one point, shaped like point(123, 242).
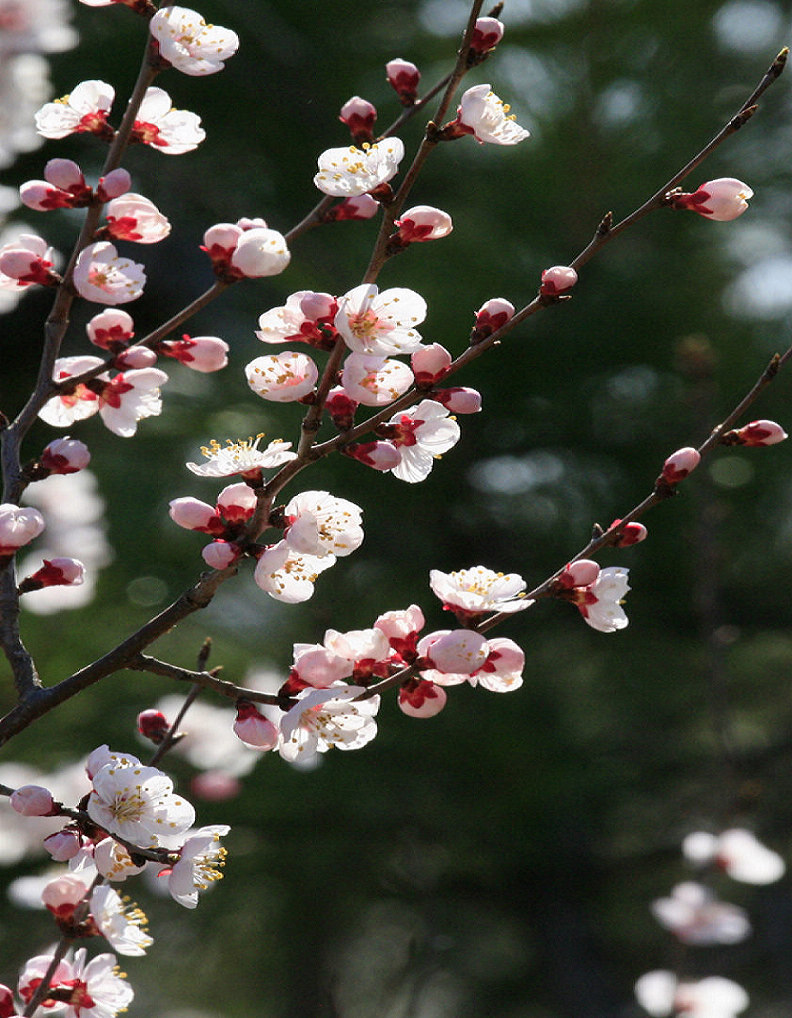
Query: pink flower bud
point(459, 400)
point(260, 252)
point(63, 845)
point(18, 527)
point(7, 1006)
point(359, 116)
point(379, 455)
point(28, 260)
point(220, 554)
point(32, 801)
point(341, 408)
point(461, 651)
point(319, 306)
point(133, 217)
point(253, 728)
point(760, 433)
point(722, 200)
point(362, 206)
point(65, 174)
point(152, 724)
point(192, 514)
point(65, 456)
point(237, 503)
point(632, 533)
point(221, 240)
point(43, 197)
point(423, 223)
point(421, 698)
point(116, 183)
point(430, 363)
point(557, 280)
point(201, 353)
point(111, 329)
point(487, 33)
point(492, 315)
point(580, 573)
point(403, 77)
point(679, 464)
point(62, 895)
point(135, 357)
point(248, 223)
point(56, 572)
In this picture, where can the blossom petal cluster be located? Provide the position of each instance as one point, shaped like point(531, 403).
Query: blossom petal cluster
point(347, 172)
point(189, 44)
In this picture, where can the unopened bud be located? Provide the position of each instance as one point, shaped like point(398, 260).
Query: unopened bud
point(152, 724)
point(361, 206)
point(32, 801)
point(632, 533)
point(65, 456)
point(459, 400)
point(56, 572)
point(116, 183)
point(419, 698)
point(63, 845)
point(760, 433)
point(253, 728)
point(557, 280)
point(491, 316)
point(379, 455)
point(487, 33)
point(430, 363)
point(221, 554)
point(679, 464)
point(581, 573)
point(359, 116)
point(341, 408)
point(421, 223)
point(403, 77)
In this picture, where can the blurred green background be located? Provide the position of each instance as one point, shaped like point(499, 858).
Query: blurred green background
point(498, 860)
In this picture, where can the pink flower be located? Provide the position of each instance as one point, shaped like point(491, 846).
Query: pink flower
point(306, 317)
point(18, 527)
point(56, 572)
point(189, 44)
point(327, 718)
point(101, 275)
point(94, 989)
point(283, 377)
point(379, 455)
point(430, 363)
point(287, 575)
point(459, 399)
point(83, 111)
point(401, 628)
point(632, 533)
point(221, 554)
point(116, 183)
point(403, 77)
point(63, 845)
point(454, 652)
point(580, 573)
point(695, 916)
point(346, 172)
point(477, 591)
point(192, 514)
point(361, 206)
point(320, 524)
point(172, 132)
point(738, 852)
point(380, 324)
point(133, 217)
point(723, 199)
point(600, 602)
point(485, 116)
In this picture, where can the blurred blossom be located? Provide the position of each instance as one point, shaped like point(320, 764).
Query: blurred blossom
point(746, 26)
point(74, 511)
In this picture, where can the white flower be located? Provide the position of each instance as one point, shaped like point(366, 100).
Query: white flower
point(242, 457)
point(172, 132)
point(18, 527)
point(380, 323)
point(101, 275)
point(321, 524)
point(84, 110)
point(186, 41)
point(199, 864)
point(324, 718)
point(260, 252)
point(129, 398)
point(603, 610)
point(695, 916)
point(375, 381)
point(488, 117)
point(421, 434)
point(137, 803)
point(350, 171)
point(662, 995)
point(283, 377)
point(738, 852)
point(478, 590)
point(287, 575)
point(120, 923)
